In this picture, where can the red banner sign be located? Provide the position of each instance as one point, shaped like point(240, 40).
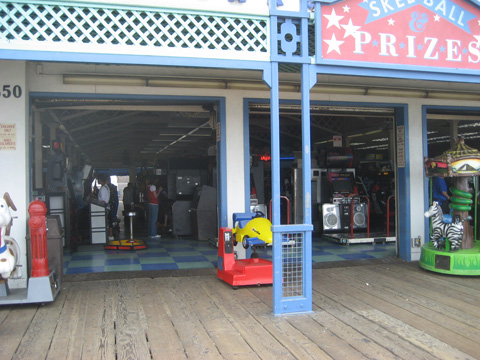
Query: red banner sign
point(433, 33)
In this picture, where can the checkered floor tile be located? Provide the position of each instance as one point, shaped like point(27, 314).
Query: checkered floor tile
point(170, 253)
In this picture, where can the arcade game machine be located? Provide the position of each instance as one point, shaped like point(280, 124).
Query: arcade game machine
point(346, 219)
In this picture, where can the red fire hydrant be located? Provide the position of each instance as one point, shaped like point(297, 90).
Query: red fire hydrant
point(38, 238)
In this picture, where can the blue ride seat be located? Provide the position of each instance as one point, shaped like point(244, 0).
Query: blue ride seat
point(447, 219)
point(242, 218)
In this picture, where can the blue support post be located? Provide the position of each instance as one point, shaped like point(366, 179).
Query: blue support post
point(292, 244)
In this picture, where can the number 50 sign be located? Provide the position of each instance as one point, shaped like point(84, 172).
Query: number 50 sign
point(11, 91)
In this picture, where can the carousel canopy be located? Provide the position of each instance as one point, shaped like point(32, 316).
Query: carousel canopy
point(461, 160)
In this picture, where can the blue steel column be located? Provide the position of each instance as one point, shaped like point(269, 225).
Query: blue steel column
point(289, 44)
point(307, 187)
point(275, 168)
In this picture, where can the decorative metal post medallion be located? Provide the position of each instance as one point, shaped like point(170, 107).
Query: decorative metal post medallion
point(413, 34)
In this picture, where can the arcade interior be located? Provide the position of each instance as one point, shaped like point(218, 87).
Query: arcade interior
point(353, 177)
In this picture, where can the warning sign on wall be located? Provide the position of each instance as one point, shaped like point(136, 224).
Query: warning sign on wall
point(8, 137)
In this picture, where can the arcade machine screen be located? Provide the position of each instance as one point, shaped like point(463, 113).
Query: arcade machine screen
point(342, 183)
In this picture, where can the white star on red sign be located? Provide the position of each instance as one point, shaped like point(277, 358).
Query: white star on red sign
point(350, 29)
point(333, 19)
point(334, 44)
point(391, 22)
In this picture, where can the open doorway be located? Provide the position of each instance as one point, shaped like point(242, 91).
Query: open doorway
point(130, 139)
point(446, 127)
point(353, 176)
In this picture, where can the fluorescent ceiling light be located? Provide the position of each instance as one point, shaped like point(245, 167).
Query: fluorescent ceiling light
point(356, 144)
point(397, 92)
point(373, 132)
point(453, 96)
point(104, 80)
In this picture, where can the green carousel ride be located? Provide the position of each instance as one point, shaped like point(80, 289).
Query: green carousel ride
point(452, 248)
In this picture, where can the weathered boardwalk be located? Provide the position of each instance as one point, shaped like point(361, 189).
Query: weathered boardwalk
point(382, 311)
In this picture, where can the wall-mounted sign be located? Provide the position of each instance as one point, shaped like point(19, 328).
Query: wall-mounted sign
point(401, 146)
point(425, 33)
point(337, 141)
point(8, 137)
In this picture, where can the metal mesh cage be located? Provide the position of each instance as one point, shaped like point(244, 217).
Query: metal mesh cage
point(293, 259)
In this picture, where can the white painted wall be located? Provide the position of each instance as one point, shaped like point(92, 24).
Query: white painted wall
point(48, 78)
point(15, 175)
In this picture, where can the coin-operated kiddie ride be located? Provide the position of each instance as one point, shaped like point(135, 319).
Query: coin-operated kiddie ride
point(43, 285)
point(251, 229)
point(453, 248)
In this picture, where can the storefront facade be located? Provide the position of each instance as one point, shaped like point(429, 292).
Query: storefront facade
point(366, 54)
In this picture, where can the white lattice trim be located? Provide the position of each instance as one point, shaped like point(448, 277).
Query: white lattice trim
point(129, 31)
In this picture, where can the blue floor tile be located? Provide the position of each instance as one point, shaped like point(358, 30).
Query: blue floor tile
point(122, 261)
point(171, 266)
point(170, 253)
point(83, 270)
point(183, 259)
point(359, 256)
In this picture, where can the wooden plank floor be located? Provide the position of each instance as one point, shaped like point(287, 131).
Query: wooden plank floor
point(370, 311)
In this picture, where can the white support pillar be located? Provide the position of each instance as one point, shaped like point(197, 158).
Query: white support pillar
point(14, 152)
point(235, 156)
point(417, 176)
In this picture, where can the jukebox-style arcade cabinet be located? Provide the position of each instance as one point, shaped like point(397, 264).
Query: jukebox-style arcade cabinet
point(347, 219)
point(240, 272)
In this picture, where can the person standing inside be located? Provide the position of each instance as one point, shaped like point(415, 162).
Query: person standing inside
point(152, 196)
point(104, 197)
point(440, 193)
point(104, 192)
point(163, 208)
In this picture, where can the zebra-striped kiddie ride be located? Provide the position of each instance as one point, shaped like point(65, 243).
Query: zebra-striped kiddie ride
point(453, 248)
point(443, 231)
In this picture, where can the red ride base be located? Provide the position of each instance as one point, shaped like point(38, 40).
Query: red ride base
point(240, 272)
